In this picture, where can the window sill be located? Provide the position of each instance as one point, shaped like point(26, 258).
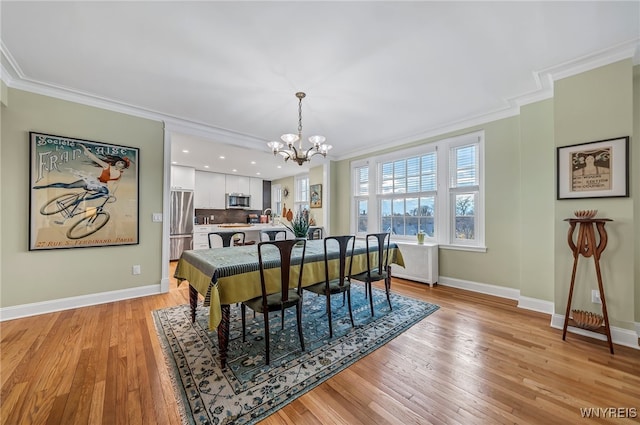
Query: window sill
point(464, 248)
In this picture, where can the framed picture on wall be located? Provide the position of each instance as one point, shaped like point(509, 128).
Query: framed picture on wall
point(316, 195)
point(82, 193)
point(597, 169)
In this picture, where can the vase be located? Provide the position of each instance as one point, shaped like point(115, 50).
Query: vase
point(420, 238)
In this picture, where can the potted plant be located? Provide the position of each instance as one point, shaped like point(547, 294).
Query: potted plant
point(299, 226)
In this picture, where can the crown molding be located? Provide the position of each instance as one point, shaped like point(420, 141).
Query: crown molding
point(625, 50)
point(544, 79)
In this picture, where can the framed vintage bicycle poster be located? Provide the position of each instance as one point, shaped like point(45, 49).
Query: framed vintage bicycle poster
point(593, 170)
point(82, 193)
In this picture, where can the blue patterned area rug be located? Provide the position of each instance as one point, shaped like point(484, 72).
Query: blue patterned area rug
point(247, 390)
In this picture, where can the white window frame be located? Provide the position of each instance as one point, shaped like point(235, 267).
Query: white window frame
point(301, 192)
point(276, 200)
point(372, 216)
point(444, 206)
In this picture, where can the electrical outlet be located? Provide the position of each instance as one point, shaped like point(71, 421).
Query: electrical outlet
point(156, 217)
point(595, 296)
point(135, 269)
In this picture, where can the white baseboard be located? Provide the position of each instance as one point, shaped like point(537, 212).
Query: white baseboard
point(535, 304)
point(482, 288)
point(164, 285)
point(26, 310)
point(620, 336)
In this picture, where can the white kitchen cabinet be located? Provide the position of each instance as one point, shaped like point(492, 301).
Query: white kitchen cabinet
point(256, 193)
point(183, 177)
point(201, 235)
point(209, 190)
point(238, 184)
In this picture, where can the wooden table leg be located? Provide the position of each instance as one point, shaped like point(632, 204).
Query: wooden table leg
point(193, 301)
point(223, 334)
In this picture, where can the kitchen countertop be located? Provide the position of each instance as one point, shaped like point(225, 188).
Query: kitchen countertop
point(241, 227)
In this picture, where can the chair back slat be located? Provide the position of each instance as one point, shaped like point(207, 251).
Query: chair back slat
point(285, 249)
point(382, 251)
point(344, 255)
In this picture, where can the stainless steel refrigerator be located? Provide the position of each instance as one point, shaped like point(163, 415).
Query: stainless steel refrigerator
point(181, 230)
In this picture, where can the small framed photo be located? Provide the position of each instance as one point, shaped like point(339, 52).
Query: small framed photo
point(597, 169)
point(316, 195)
point(82, 193)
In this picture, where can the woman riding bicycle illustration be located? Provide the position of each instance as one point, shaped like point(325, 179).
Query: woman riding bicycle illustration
point(112, 169)
point(72, 204)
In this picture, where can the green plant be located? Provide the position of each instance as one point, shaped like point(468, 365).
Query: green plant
point(300, 224)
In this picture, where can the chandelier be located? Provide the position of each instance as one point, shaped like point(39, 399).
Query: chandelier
point(299, 155)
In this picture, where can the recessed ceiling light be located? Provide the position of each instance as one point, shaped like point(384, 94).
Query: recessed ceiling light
point(185, 151)
point(279, 166)
point(234, 170)
point(253, 162)
point(206, 166)
point(258, 173)
point(221, 157)
point(174, 162)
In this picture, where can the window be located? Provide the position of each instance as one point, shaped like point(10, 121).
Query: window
point(276, 199)
point(301, 197)
point(361, 176)
point(464, 190)
point(434, 188)
point(407, 195)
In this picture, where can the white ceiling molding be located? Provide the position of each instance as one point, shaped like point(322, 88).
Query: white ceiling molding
point(544, 80)
point(626, 50)
point(15, 78)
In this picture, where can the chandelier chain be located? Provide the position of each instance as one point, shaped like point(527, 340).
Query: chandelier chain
point(300, 117)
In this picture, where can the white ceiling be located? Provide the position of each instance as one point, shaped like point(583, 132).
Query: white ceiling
point(223, 74)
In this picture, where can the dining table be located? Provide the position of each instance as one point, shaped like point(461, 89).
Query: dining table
point(230, 275)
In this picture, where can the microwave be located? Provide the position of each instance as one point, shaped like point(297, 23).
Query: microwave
point(238, 201)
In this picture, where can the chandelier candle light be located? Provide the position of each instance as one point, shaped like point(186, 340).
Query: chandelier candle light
point(299, 155)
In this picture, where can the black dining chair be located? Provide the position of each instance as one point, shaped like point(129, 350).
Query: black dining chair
point(273, 234)
point(378, 271)
point(286, 296)
point(226, 238)
point(339, 284)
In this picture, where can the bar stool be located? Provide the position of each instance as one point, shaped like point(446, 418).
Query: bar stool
point(272, 234)
point(314, 233)
point(226, 238)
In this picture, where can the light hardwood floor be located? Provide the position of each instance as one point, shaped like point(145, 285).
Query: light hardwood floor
point(477, 360)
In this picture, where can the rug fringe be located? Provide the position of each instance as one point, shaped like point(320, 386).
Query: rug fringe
point(182, 410)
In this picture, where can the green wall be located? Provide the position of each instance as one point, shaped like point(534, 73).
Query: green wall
point(525, 233)
point(287, 182)
point(591, 106)
point(30, 277)
point(537, 174)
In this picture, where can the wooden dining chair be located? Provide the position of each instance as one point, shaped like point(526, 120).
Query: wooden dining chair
point(273, 234)
point(339, 284)
point(226, 238)
point(286, 296)
point(379, 270)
